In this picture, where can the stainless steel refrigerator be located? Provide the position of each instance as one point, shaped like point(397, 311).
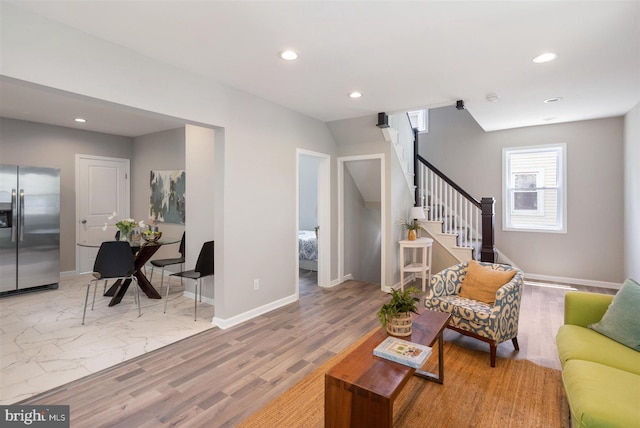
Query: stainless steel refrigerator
point(29, 228)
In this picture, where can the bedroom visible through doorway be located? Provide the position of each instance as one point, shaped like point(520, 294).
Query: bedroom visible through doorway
point(313, 218)
point(308, 225)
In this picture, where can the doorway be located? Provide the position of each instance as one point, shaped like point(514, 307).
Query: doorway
point(362, 216)
point(102, 188)
point(313, 237)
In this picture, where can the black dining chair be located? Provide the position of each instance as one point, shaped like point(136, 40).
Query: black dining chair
point(163, 263)
point(114, 261)
point(204, 268)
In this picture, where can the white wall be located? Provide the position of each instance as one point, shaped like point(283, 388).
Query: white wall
point(632, 194)
point(592, 248)
point(259, 153)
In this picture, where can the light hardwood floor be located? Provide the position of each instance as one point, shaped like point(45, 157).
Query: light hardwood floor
point(219, 377)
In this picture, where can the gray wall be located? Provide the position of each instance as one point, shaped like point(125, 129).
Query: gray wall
point(370, 236)
point(362, 232)
point(362, 225)
point(632, 194)
point(308, 193)
point(158, 151)
point(29, 143)
point(353, 212)
point(592, 248)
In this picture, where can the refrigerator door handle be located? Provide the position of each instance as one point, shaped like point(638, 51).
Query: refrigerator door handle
point(14, 215)
point(21, 214)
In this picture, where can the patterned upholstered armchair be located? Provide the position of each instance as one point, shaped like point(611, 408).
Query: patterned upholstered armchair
point(493, 324)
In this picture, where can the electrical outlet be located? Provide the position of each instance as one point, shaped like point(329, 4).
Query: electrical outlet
point(256, 284)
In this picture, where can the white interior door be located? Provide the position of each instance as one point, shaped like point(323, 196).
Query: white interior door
point(102, 188)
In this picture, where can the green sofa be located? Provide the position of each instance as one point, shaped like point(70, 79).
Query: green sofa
point(601, 376)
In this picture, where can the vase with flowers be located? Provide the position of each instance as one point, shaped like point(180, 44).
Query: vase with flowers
point(125, 226)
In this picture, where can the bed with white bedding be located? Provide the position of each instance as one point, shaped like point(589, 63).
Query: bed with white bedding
point(308, 249)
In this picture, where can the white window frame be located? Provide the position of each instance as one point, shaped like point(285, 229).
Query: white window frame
point(419, 119)
point(508, 185)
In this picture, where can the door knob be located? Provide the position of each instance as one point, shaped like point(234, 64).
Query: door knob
point(84, 222)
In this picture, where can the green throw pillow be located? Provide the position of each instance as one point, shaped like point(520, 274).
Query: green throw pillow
point(621, 322)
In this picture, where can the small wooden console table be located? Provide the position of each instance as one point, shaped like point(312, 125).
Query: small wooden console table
point(360, 390)
point(423, 266)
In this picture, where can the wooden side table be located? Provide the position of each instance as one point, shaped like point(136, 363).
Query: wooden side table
point(423, 267)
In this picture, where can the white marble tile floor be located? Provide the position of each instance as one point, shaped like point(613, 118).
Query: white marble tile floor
point(43, 343)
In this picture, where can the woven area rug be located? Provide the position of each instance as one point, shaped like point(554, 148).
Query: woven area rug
point(516, 393)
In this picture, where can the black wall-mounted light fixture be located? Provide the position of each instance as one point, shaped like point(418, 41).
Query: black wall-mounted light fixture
point(460, 105)
point(383, 120)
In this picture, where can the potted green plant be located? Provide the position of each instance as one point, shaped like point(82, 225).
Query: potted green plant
point(412, 226)
point(396, 315)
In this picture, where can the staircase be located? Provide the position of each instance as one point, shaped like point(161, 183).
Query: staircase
point(463, 225)
point(452, 216)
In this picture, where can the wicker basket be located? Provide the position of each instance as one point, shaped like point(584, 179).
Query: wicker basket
point(400, 326)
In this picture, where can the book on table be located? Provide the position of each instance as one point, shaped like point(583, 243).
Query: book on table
point(403, 352)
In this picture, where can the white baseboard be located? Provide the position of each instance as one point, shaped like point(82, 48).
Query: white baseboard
point(238, 319)
point(578, 281)
point(409, 278)
point(388, 289)
point(205, 299)
point(68, 273)
point(339, 281)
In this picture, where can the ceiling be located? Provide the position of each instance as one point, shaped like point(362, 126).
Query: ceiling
point(400, 55)
point(34, 103)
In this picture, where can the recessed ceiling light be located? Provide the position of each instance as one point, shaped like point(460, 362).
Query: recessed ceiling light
point(355, 94)
point(547, 119)
point(80, 120)
point(493, 98)
point(545, 57)
point(553, 100)
point(288, 55)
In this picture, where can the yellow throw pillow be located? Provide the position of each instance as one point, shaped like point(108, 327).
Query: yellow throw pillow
point(482, 282)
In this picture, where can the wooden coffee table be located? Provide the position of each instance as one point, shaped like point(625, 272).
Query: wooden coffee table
point(360, 390)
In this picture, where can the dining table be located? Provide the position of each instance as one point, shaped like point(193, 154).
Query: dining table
point(143, 251)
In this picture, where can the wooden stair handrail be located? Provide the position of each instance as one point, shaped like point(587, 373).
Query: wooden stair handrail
point(488, 252)
point(449, 181)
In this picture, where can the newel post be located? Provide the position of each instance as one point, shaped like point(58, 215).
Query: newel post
point(416, 166)
point(488, 252)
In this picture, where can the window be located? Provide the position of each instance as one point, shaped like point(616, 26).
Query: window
point(527, 198)
point(419, 119)
point(534, 183)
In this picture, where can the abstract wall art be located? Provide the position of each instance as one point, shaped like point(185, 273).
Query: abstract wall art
point(167, 196)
